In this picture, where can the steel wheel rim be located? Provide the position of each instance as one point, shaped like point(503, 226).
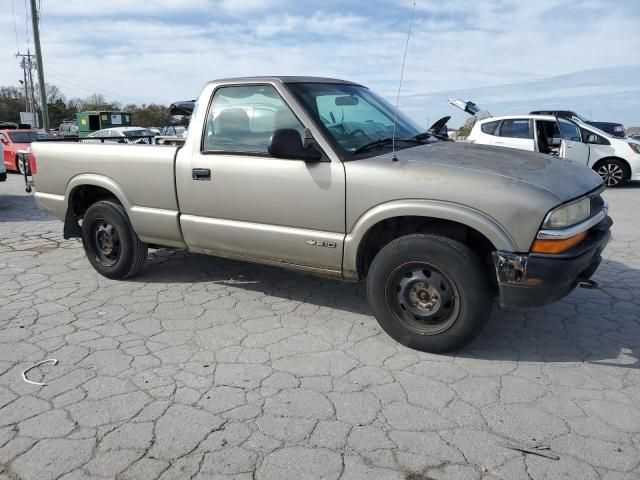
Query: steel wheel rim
point(423, 298)
point(611, 174)
point(105, 242)
point(21, 165)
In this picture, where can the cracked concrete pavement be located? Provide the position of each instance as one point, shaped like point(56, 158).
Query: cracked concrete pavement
point(207, 368)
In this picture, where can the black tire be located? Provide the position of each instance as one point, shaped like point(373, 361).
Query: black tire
point(429, 292)
point(613, 172)
point(110, 243)
point(20, 165)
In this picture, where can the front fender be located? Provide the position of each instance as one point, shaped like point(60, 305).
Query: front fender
point(468, 216)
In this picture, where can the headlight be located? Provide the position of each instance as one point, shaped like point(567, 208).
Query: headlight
point(569, 214)
point(635, 147)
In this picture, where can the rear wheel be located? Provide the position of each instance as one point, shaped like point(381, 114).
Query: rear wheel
point(429, 292)
point(110, 243)
point(613, 172)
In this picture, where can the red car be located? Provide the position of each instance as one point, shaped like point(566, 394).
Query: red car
point(15, 140)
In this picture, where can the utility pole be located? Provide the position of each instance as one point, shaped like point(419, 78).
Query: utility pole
point(36, 40)
point(29, 94)
point(23, 64)
point(34, 105)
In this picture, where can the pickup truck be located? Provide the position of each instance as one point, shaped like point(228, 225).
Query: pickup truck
point(324, 176)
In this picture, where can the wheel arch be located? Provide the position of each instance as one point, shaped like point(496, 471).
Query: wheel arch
point(611, 157)
point(385, 222)
point(85, 190)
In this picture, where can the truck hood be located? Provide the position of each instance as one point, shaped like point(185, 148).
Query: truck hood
point(563, 178)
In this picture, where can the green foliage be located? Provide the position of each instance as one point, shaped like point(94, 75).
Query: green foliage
point(12, 102)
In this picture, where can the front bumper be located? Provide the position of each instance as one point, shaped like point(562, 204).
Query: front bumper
point(534, 279)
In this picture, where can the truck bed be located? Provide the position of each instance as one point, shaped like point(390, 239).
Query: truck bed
point(141, 176)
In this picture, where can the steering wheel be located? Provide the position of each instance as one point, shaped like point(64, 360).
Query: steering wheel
point(357, 131)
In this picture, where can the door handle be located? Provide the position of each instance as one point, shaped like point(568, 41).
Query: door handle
point(201, 174)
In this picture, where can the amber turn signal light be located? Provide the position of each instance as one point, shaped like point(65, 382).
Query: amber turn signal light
point(557, 246)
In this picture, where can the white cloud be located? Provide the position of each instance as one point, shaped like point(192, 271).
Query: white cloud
point(166, 50)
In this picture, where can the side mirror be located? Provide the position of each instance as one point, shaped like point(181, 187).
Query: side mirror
point(287, 143)
point(4, 141)
point(592, 138)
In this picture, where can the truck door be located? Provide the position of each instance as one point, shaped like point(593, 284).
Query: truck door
point(237, 200)
point(572, 146)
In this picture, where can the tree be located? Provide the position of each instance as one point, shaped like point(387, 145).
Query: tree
point(11, 104)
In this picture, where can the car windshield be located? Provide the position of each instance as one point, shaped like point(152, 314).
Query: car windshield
point(580, 117)
point(28, 137)
point(353, 116)
point(138, 133)
point(592, 129)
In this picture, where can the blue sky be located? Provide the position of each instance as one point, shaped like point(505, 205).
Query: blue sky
point(508, 55)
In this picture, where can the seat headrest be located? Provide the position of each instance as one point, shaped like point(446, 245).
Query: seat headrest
point(231, 120)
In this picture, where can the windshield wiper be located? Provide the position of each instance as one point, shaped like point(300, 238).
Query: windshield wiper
point(385, 141)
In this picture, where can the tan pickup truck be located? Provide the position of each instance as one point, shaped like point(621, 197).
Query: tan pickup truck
point(311, 174)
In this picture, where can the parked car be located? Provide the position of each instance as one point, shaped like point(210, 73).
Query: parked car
point(312, 182)
point(68, 128)
point(174, 131)
point(615, 129)
point(616, 160)
point(125, 134)
point(15, 140)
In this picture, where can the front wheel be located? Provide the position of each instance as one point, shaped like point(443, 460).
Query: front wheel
point(429, 292)
point(110, 243)
point(20, 164)
point(613, 172)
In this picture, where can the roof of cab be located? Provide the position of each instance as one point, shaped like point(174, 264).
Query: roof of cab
point(284, 79)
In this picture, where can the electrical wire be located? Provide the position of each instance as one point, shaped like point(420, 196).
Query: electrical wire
point(15, 26)
point(91, 88)
point(26, 23)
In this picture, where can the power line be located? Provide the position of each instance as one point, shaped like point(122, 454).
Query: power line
point(26, 23)
point(15, 26)
point(89, 87)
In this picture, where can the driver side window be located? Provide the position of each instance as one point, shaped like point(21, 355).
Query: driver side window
point(569, 131)
point(242, 119)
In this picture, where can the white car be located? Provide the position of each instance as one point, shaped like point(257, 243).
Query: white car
point(125, 134)
point(616, 160)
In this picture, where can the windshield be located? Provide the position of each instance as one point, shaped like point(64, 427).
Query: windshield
point(353, 115)
point(593, 129)
point(28, 137)
point(138, 133)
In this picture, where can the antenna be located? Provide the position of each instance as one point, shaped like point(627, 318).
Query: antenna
point(395, 113)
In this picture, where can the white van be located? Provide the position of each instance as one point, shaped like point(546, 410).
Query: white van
point(616, 160)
